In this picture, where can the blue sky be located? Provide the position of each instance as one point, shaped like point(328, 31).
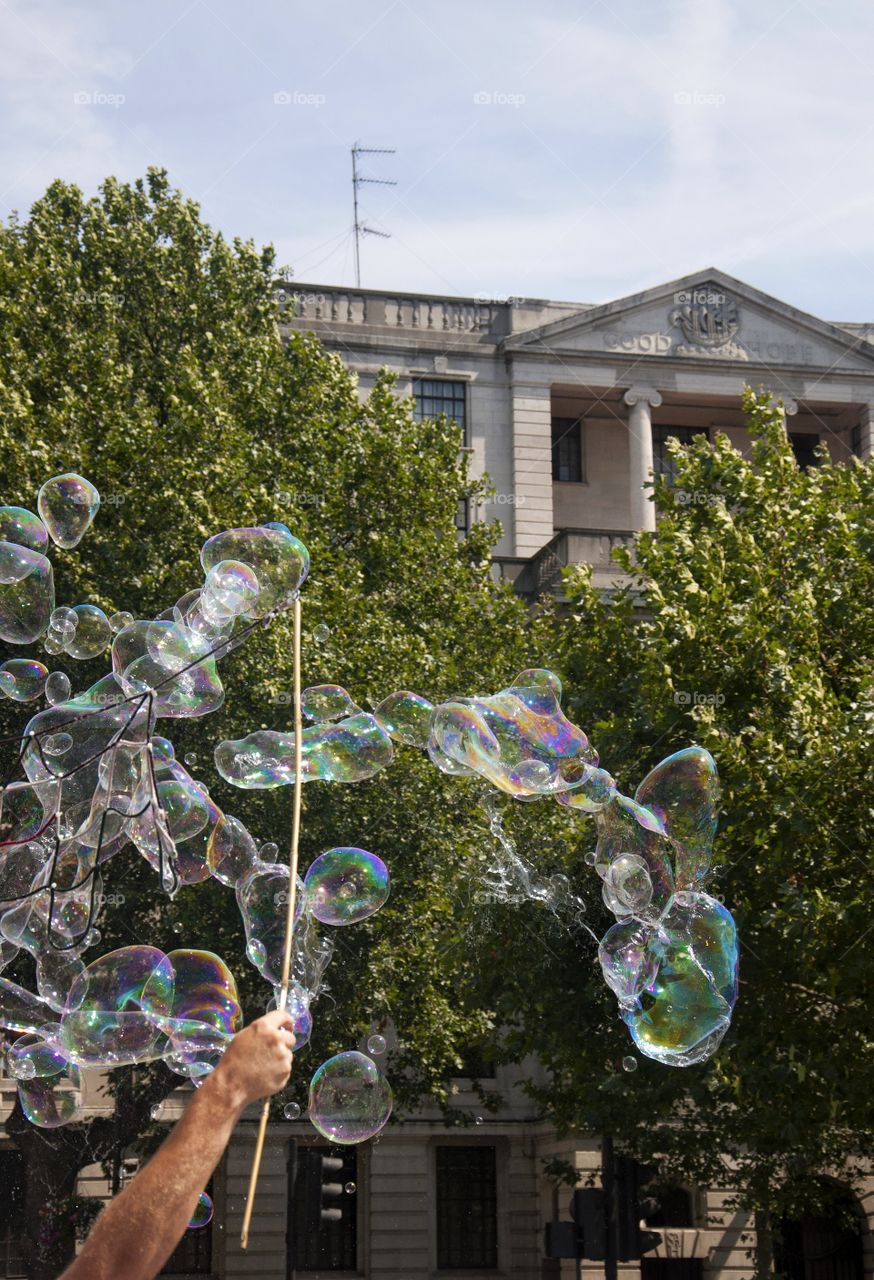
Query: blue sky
point(570, 149)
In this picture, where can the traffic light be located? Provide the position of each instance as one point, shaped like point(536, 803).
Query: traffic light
point(587, 1211)
point(332, 1191)
point(632, 1237)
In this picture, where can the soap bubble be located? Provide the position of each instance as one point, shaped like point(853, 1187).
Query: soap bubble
point(92, 634)
point(57, 688)
point(279, 562)
point(327, 702)
point(346, 885)
point(376, 1044)
point(291, 1111)
point(349, 1099)
point(118, 621)
point(27, 593)
point(64, 620)
point(23, 528)
point(321, 633)
point(68, 503)
point(406, 717)
point(350, 1188)
point(22, 679)
point(203, 1211)
point(56, 744)
point(629, 1063)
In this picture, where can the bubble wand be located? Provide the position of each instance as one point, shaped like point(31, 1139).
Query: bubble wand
point(282, 1002)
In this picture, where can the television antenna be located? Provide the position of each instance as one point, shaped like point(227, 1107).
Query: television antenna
point(361, 228)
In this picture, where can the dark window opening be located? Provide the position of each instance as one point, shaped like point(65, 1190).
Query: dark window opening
point(193, 1254)
point(316, 1243)
point(467, 1208)
point(803, 445)
point(662, 463)
point(434, 396)
point(12, 1214)
point(642, 1197)
point(567, 450)
point(819, 1246)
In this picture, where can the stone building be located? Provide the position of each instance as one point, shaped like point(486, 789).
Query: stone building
point(567, 407)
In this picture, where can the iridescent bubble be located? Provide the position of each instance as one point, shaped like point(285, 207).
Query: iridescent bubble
point(231, 852)
point(279, 561)
point(172, 660)
point(323, 702)
point(321, 633)
point(230, 590)
point(349, 1099)
point(346, 885)
point(27, 593)
point(64, 620)
point(376, 1044)
point(342, 751)
point(54, 643)
point(56, 744)
point(262, 897)
point(203, 1211)
point(22, 527)
point(67, 504)
point(91, 636)
point(291, 1111)
point(52, 1102)
point(629, 1063)
point(406, 717)
point(57, 688)
point(22, 679)
point(118, 621)
point(269, 852)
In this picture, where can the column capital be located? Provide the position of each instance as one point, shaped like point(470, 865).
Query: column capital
point(642, 395)
point(790, 406)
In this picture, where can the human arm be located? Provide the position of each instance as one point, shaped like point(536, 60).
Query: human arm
point(139, 1229)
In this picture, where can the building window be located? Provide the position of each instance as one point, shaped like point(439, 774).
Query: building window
point(567, 450)
point(662, 463)
point(317, 1243)
point(11, 1214)
point(193, 1254)
point(803, 445)
point(467, 1208)
point(856, 440)
point(434, 396)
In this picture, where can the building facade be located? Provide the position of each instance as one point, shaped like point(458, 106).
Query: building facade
point(567, 408)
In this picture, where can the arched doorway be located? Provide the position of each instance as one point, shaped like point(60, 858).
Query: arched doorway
point(819, 1246)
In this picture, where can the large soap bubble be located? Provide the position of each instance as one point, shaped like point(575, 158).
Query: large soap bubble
point(27, 593)
point(68, 505)
point(23, 527)
point(22, 679)
point(350, 1099)
point(346, 885)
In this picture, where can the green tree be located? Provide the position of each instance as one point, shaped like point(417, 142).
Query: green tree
point(755, 640)
point(142, 349)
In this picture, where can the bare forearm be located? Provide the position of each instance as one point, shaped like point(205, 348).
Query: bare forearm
point(140, 1228)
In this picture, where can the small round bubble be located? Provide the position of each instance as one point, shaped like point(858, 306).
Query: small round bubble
point(350, 1188)
point(57, 688)
point(321, 633)
point(56, 744)
point(118, 621)
point(591, 858)
point(291, 1111)
point(376, 1044)
point(629, 1063)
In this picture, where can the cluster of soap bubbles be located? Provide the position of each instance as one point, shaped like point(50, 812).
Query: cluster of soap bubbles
point(93, 776)
point(671, 958)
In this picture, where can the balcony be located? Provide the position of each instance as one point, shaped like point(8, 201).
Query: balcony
point(542, 574)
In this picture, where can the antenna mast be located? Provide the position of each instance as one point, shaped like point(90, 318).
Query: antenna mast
point(361, 229)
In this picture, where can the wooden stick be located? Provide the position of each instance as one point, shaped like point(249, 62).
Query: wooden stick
point(282, 1002)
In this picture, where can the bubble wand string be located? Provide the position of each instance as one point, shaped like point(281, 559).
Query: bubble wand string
point(289, 918)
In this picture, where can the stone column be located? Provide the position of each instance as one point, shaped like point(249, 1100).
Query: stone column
point(866, 432)
point(532, 466)
point(640, 401)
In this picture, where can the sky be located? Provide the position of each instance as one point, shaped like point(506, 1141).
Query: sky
point(566, 149)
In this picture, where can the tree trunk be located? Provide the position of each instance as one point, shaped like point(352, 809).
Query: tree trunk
point(764, 1263)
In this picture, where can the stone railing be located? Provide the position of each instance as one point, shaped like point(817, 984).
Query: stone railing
point(360, 306)
point(542, 575)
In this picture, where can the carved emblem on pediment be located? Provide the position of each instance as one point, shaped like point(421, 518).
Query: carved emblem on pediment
point(709, 322)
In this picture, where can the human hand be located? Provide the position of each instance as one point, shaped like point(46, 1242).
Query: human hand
point(257, 1062)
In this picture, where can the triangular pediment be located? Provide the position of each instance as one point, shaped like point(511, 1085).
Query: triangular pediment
point(706, 316)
